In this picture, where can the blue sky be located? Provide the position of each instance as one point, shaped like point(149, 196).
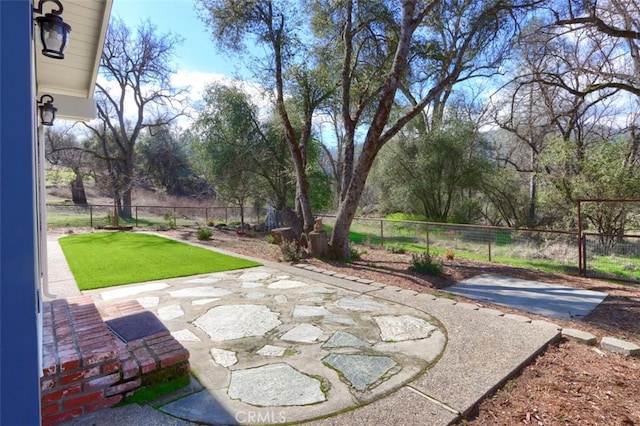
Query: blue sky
point(197, 53)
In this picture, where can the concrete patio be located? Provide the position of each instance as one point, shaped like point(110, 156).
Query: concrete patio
point(282, 343)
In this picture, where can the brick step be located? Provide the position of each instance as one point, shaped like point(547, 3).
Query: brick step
point(85, 367)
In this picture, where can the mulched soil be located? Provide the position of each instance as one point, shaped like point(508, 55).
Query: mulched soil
point(568, 384)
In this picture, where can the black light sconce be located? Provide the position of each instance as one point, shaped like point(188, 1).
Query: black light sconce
point(47, 110)
point(54, 32)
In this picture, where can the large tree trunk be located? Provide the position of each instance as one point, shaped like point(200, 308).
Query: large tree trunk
point(126, 204)
point(532, 190)
point(127, 180)
point(347, 210)
point(305, 204)
point(78, 194)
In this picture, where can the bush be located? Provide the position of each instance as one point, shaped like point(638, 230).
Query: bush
point(425, 264)
point(449, 254)
point(355, 254)
point(271, 239)
point(291, 252)
point(204, 234)
point(396, 249)
point(170, 220)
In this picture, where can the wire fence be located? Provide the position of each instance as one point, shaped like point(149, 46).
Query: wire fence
point(612, 256)
point(157, 217)
point(531, 247)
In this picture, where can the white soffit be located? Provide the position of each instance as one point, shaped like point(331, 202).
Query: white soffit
point(71, 81)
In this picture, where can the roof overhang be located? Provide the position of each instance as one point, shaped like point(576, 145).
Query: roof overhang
point(71, 81)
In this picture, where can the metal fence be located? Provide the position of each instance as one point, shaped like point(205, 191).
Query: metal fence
point(556, 250)
point(606, 255)
point(612, 257)
point(95, 216)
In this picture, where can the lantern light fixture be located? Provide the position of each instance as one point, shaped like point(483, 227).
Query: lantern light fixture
point(47, 110)
point(54, 32)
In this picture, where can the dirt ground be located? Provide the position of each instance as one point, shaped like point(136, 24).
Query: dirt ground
point(568, 384)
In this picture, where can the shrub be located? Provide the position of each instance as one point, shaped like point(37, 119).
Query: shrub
point(355, 254)
point(203, 234)
point(449, 254)
point(291, 252)
point(271, 239)
point(396, 249)
point(426, 264)
point(170, 220)
point(161, 227)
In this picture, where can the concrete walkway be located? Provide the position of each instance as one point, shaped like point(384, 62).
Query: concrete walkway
point(297, 344)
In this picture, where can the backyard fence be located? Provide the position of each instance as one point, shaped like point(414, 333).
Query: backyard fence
point(585, 253)
point(96, 215)
point(614, 254)
point(611, 256)
point(527, 247)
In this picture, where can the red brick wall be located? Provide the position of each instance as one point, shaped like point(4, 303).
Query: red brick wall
point(85, 367)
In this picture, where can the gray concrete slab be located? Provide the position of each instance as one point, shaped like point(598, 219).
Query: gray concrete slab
point(407, 358)
point(550, 300)
point(61, 283)
point(619, 346)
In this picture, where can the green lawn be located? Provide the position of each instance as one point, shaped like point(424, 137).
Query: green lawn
point(106, 259)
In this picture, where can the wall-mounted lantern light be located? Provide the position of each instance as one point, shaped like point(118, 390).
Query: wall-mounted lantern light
point(47, 110)
point(54, 32)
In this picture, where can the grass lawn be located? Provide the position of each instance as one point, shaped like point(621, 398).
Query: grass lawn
point(106, 259)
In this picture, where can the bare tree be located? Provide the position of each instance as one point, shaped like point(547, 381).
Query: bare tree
point(546, 100)
point(136, 94)
point(63, 149)
point(611, 28)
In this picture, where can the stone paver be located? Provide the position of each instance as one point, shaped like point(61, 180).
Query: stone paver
point(618, 346)
point(579, 335)
point(360, 370)
point(275, 385)
point(228, 322)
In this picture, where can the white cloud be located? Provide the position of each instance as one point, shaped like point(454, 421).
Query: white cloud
point(196, 82)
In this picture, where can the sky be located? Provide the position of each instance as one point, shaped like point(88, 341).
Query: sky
point(197, 53)
point(197, 61)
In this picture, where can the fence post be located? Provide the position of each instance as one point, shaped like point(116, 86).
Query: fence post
point(226, 215)
point(489, 242)
point(427, 227)
point(175, 225)
point(206, 215)
point(582, 270)
point(136, 216)
point(90, 216)
point(381, 233)
point(582, 242)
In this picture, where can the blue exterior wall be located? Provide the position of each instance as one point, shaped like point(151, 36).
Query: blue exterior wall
point(19, 364)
